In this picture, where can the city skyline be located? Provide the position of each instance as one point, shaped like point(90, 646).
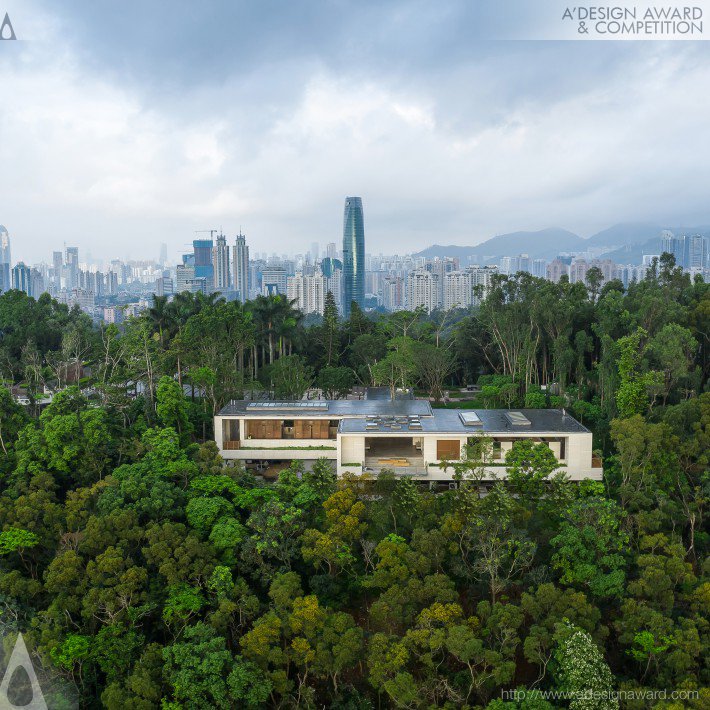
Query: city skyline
point(442, 281)
point(157, 142)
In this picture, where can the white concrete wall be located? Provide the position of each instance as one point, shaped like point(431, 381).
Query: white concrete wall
point(352, 449)
point(218, 432)
point(579, 458)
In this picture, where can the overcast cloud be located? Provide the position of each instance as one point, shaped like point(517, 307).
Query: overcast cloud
point(124, 125)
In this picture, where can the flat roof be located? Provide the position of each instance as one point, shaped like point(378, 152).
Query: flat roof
point(327, 408)
point(492, 421)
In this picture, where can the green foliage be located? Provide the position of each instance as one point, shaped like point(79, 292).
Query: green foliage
point(16, 539)
point(147, 573)
point(290, 377)
point(583, 672)
point(336, 382)
point(589, 550)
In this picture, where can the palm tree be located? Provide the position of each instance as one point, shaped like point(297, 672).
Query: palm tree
point(287, 328)
point(266, 310)
point(160, 315)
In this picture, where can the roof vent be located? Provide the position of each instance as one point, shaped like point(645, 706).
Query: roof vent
point(517, 419)
point(470, 419)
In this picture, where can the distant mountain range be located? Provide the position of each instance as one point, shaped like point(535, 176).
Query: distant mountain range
point(624, 243)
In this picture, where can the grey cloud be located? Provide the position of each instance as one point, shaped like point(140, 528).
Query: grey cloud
point(135, 123)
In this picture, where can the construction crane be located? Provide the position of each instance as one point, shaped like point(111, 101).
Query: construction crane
point(211, 232)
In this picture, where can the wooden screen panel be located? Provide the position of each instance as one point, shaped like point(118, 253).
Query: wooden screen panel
point(265, 428)
point(320, 429)
point(448, 449)
point(311, 429)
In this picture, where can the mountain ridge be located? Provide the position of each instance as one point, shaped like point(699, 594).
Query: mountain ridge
point(622, 241)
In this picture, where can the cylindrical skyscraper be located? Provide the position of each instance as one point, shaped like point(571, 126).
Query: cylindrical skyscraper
point(353, 254)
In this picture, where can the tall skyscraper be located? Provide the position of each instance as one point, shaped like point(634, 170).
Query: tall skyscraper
point(678, 246)
point(72, 262)
point(353, 254)
point(5, 260)
point(202, 251)
point(220, 264)
point(241, 267)
point(57, 264)
point(697, 252)
point(22, 278)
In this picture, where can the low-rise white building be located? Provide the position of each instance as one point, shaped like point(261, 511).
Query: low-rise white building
point(406, 436)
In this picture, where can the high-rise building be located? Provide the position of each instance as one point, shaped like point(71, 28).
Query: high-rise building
point(510, 265)
point(273, 281)
point(111, 283)
point(556, 270)
point(441, 267)
point(72, 268)
point(5, 260)
point(37, 285)
point(241, 267)
point(220, 264)
point(630, 273)
point(57, 265)
point(580, 267)
point(463, 289)
point(164, 286)
point(353, 254)
point(422, 290)
point(697, 252)
point(393, 293)
point(163, 260)
point(202, 251)
point(678, 246)
point(315, 252)
point(539, 268)
point(185, 275)
point(331, 251)
point(22, 278)
point(308, 292)
point(332, 269)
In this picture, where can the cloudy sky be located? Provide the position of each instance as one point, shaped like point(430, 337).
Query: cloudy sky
point(124, 125)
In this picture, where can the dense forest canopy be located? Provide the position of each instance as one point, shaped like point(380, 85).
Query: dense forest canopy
point(144, 573)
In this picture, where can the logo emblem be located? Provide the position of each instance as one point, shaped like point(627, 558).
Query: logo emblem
point(20, 658)
point(6, 29)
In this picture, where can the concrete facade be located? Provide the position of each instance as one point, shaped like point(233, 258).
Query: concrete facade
point(407, 437)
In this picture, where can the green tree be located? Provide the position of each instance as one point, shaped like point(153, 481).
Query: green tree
point(197, 668)
point(590, 547)
point(336, 382)
point(290, 377)
point(583, 672)
point(171, 406)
